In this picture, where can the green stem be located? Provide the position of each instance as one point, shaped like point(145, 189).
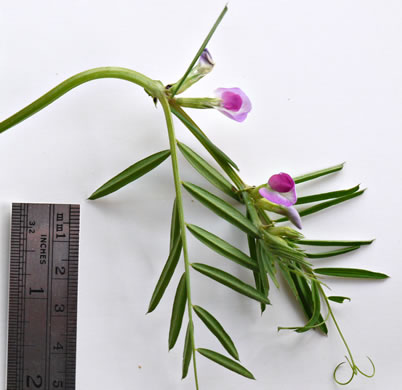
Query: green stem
point(179, 200)
point(336, 324)
point(154, 88)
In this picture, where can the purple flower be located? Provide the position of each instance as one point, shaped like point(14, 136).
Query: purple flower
point(234, 103)
point(281, 190)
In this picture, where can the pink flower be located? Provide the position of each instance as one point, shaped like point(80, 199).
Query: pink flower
point(234, 103)
point(281, 190)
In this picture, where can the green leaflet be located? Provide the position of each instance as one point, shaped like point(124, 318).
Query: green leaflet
point(179, 306)
point(332, 243)
point(267, 259)
point(174, 225)
point(207, 170)
point(225, 362)
point(220, 157)
point(130, 174)
point(315, 174)
point(188, 350)
point(252, 248)
point(256, 274)
point(230, 281)
point(315, 292)
point(221, 208)
point(166, 274)
point(350, 273)
point(217, 330)
point(305, 298)
point(313, 322)
point(262, 270)
point(288, 278)
point(324, 205)
point(338, 299)
point(326, 195)
point(200, 50)
point(222, 247)
point(332, 253)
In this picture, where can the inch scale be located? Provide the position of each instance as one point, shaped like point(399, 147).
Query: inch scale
point(43, 297)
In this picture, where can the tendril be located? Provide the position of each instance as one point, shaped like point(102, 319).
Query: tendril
point(351, 362)
point(355, 370)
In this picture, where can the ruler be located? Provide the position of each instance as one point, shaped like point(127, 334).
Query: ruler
point(42, 323)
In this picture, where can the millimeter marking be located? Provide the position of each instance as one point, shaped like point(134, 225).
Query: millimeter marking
point(42, 316)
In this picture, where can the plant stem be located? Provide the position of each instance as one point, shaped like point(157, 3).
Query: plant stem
point(154, 88)
point(336, 324)
point(179, 200)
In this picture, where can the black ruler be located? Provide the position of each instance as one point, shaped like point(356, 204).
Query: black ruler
point(42, 324)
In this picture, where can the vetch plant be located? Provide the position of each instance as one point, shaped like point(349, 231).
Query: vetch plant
point(273, 248)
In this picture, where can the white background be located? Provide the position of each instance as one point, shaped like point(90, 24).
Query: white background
point(325, 81)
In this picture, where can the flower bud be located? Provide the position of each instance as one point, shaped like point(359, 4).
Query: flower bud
point(204, 66)
point(205, 63)
point(285, 232)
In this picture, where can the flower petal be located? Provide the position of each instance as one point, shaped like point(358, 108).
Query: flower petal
point(235, 103)
point(231, 101)
point(294, 216)
point(291, 195)
point(275, 197)
point(281, 182)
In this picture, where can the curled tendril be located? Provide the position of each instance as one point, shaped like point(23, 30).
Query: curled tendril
point(355, 371)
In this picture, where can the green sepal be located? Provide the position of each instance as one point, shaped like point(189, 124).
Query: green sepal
point(130, 174)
